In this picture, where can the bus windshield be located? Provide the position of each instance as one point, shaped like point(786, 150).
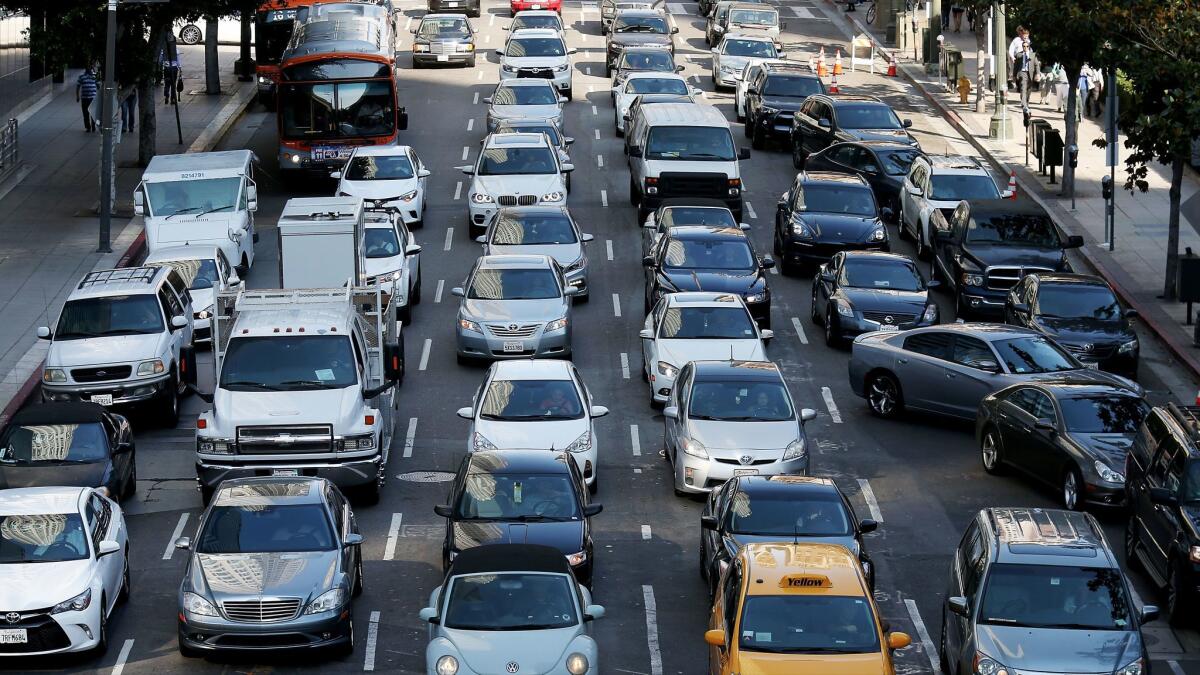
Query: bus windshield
point(319, 110)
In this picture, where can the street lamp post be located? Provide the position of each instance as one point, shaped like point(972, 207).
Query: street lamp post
point(1000, 126)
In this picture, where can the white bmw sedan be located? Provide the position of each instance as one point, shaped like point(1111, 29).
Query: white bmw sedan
point(63, 568)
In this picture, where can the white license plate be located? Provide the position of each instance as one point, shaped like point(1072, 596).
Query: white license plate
point(14, 636)
point(888, 328)
point(327, 152)
point(1091, 364)
point(443, 57)
point(514, 346)
point(537, 6)
point(285, 472)
point(745, 472)
point(102, 399)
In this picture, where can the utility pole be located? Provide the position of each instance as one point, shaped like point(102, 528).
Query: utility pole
point(933, 52)
point(106, 129)
point(1000, 126)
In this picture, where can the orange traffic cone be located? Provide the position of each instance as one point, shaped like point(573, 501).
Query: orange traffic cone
point(1012, 184)
point(891, 66)
point(821, 70)
point(833, 85)
point(837, 63)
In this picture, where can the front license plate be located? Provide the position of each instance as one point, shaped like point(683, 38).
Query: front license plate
point(330, 152)
point(443, 57)
point(888, 328)
point(14, 636)
point(1092, 365)
point(745, 472)
point(514, 346)
point(102, 399)
point(285, 472)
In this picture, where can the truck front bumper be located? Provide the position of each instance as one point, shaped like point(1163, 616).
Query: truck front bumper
point(210, 470)
point(124, 392)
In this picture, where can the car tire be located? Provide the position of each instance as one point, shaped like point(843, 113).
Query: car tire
point(1132, 542)
point(798, 158)
point(991, 451)
point(741, 117)
point(832, 338)
point(206, 494)
point(1072, 485)
point(191, 34)
point(748, 127)
point(471, 61)
point(369, 494)
point(961, 311)
point(923, 252)
point(358, 578)
point(758, 139)
point(131, 485)
point(607, 69)
point(571, 94)
point(813, 314)
point(1179, 611)
point(168, 403)
point(943, 662)
point(703, 566)
point(634, 197)
point(346, 649)
point(595, 486)
point(102, 630)
point(188, 652)
point(125, 579)
point(884, 395)
point(417, 65)
point(416, 294)
point(405, 314)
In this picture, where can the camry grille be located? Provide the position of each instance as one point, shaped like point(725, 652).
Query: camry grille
point(512, 330)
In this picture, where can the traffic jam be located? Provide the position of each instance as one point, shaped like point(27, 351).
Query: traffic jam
point(758, 503)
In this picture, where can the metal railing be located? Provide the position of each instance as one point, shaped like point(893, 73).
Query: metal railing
point(9, 148)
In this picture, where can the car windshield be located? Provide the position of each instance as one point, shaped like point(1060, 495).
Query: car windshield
point(1028, 355)
point(444, 26)
point(640, 24)
point(867, 116)
point(791, 86)
point(518, 496)
point(892, 275)
point(1077, 301)
point(259, 527)
point(843, 199)
point(381, 242)
point(740, 401)
point(657, 60)
point(517, 161)
point(1103, 414)
point(530, 229)
point(756, 48)
point(709, 254)
point(691, 143)
point(656, 85)
point(111, 315)
point(379, 167)
point(697, 215)
point(192, 196)
point(791, 515)
point(206, 274)
point(707, 323)
point(548, 129)
point(520, 400)
point(54, 444)
point(536, 21)
point(897, 162)
point(521, 47)
point(511, 601)
point(817, 624)
point(754, 17)
point(288, 363)
point(1053, 596)
point(1035, 231)
point(514, 284)
point(954, 187)
point(42, 538)
point(525, 95)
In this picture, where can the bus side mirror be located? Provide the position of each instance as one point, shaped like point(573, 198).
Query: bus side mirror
point(402, 120)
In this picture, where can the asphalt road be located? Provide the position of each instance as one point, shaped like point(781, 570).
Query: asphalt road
point(919, 477)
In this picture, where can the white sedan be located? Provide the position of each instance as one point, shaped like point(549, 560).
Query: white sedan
point(634, 84)
point(393, 257)
point(388, 176)
point(530, 404)
point(696, 326)
point(63, 568)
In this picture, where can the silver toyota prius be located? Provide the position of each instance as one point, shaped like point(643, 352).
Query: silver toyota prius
point(541, 230)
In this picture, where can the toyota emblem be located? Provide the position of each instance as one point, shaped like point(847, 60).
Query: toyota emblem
point(512, 666)
point(512, 326)
point(1087, 347)
point(745, 459)
point(12, 617)
point(888, 319)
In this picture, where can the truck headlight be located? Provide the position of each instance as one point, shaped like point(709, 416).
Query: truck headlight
point(667, 369)
point(878, 235)
point(1107, 473)
point(581, 444)
point(561, 69)
point(557, 324)
point(151, 367)
point(198, 605)
point(327, 601)
point(970, 279)
point(577, 664)
point(75, 604)
point(481, 198)
point(447, 665)
point(931, 314)
point(466, 48)
point(695, 449)
point(363, 442)
point(795, 450)
point(467, 324)
point(1131, 346)
point(480, 442)
point(54, 375)
point(553, 197)
point(214, 446)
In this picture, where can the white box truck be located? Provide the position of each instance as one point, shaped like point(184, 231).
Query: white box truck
point(321, 242)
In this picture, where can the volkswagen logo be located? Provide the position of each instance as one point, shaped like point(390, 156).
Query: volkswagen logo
point(512, 326)
point(745, 459)
point(512, 666)
point(15, 617)
point(1088, 347)
point(888, 319)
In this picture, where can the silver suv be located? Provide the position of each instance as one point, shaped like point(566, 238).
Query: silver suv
point(936, 182)
point(514, 170)
point(1039, 590)
point(538, 53)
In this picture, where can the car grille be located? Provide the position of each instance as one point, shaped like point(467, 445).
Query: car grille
point(675, 184)
point(1004, 278)
point(441, 47)
point(284, 440)
point(43, 632)
point(757, 462)
point(543, 73)
point(784, 118)
point(895, 319)
point(262, 611)
point(1096, 352)
point(517, 200)
point(511, 330)
point(101, 374)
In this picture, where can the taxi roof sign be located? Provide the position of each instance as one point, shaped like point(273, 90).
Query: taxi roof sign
point(805, 581)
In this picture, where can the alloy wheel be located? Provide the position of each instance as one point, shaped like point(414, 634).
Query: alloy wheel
point(989, 451)
point(884, 396)
point(1070, 491)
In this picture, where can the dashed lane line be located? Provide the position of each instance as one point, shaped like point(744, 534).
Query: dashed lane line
point(170, 550)
point(425, 354)
point(799, 331)
point(470, 124)
point(645, 532)
point(923, 634)
point(600, 161)
point(437, 296)
point(475, 100)
point(656, 666)
point(119, 666)
point(389, 551)
point(864, 486)
point(595, 111)
point(458, 191)
point(608, 249)
point(466, 152)
point(410, 436)
point(616, 305)
point(1175, 668)
point(449, 239)
point(833, 409)
point(624, 365)
point(604, 197)
point(635, 440)
point(372, 641)
point(750, 210)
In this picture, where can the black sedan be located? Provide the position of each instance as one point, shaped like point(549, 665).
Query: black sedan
point(1068, 432)
point(1082, 314)
point(824, 120)
point(861, 291)
point(705, 258)
point(763, 509)
point(73, 444)
point(685, 211)
point(824, 213)
point(520, 497)
point(883, 164)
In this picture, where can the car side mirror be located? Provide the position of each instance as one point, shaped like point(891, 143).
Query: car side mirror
point(569, 140)
point(867, 525)
point(562, 99)
point(906, 123)
point(1163, 497)
point(958, 605)
point(767, 262)
point(593, 612)
point(988, 365)
point(766, 334)
point(933, 283)
point(413, 31)
point(43, 333)
point(715, 51)
point(568, 168)
point(352, 539)
point(1074, 241)
point(823, 123)
point(743, 226)
point(942, 235)
point(634, 150)
point(695, 92)
point(443, 510)
point(500, 51)
point(887, 213)
point(424, 173)
point(898, 640)
point(457, 292)
point(139, 203)
point(402, 120)
point(488, 99)
point(468, 170)
point(466, 413)
point(593, 509)
point(708, 522)
point(234, 280)
point(599, 411)
point(648, 261)
point(572, 51)
point(1130, 313)
point(807, 414)
point(178, 321)
point(627, 117)
point(571, 291)
point(827, 277)
point(107, 547)
point(482, 239)
point(1148, 613)
point(1007, 194)
point(671, 412)
point(412, 249)
point(183, 543)
point(679, 69)
point(743, 153)
point(915, 191)
point(429, 615)
point(336, 175)
point(646, 334)
point(587, 237)
point(715, 637)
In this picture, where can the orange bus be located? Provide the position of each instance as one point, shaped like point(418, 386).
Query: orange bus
point(337, 87)
point(272, 30)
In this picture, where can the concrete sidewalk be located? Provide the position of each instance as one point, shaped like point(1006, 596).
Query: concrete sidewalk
point(48, 221)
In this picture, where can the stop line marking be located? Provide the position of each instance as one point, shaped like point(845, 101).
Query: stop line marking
point(389, 551)
point(624, 365)
point(923, 634)
point(799, 331)
point(372, 641)
point(833, 409)
point(410, 436)
point(656, 667)
point(868, 494)
point(437, 296)
point(635, 440)
point(170, 551)
point(425, 354)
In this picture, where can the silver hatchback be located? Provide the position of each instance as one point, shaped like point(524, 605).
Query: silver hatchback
point(541, 230)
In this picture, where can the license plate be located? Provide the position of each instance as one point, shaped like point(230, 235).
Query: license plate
point(514, 346)
point(745, 472)
point(537, 6)
point(285, 472)
point(14, 636)
point(102, 399)
point(887, 328)
point(330, 152)
point(1091, 364)
point(443, 57)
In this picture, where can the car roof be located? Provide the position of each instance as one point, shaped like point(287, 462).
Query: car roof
point(879, 255)
point(850, 98)
point(753, 37)
point(700, 232)
point(1006, 207)
point(378, 150)
point(692, 203)
point(651, 74)
point(1075, 385)
point(444, 15)
point(75, 412)
point(509, 558)
point(535, 33)
point(1069, 279)
point(122, 281)
point(640, 12)
point(944, 163)
point(884, 145)
point(750, 5)
point(700, 299)
point(761, 371)
point(787, 486)
point(818, 177)
point(32, 501)
point(316, 318)
point(531, 369)
point(270, 491)
point(537, 12)
point(516, 461)
point(511, 261)
point(1047, 537)
point(183, 252)
point(684, 114)
point(802, 569)
point(989, 332)
point(784, 67)
point(516, 139)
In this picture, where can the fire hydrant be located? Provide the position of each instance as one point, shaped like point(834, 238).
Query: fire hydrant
point(964, 89)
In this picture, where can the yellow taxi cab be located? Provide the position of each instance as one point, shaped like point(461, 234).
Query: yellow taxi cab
point(795, 609)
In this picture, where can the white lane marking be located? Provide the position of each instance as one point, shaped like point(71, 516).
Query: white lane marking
point(372, 641)
point(587, 70)
point(595, 111)
point(616, 305)
point(487, 39)
point(475, 101)
point(637, 470)
point(868, 494)
point(807, 13)
point(449, 238)
point(425, 354)
point(624, 364)
point(926, 643)
point(608, 248)
point(833, 411)
point(479, 75)
point(410, 436)
point(604, 198)
point(600, 161)
point(389, 551)
point(437, 296)
point(635, 440)
point(491, 19)
point(799, 330)
point(471, 122)
point(645, 532)
point(457, 190)
point(597, 134)
point(1175, 669)
point(749, 209)
point(408, 24)
point(170, 550)
point(119, 666)
point(656, 667)
point(466, 152)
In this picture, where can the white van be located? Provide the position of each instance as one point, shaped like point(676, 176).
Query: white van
point(683, 150)
point(201, 198)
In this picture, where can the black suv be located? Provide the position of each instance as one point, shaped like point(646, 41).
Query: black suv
point(823, 213)
point(988, 246)
point(773, 96)
point(1162, 484)
point(824, 120)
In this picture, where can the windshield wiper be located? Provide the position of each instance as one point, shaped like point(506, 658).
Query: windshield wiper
point(1011, 622)
point(704, 155)
point(251, 385)
point(537, 519)
point(706, 417)
point(77, 333)
point(188, 209)
point(215, 208)
point(305, 384)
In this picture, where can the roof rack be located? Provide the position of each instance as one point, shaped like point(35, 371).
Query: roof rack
point(131, 274)
point(1188, 417)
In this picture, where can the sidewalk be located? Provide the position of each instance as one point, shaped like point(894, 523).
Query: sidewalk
point(48, 222)
point(1136, 267)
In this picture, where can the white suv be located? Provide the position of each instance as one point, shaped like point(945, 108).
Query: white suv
point(124, 337)
point(514, 170)
point(537, 53)
point(941, 182)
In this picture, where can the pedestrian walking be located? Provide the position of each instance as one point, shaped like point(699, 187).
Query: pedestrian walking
point(129, 110)
point(1095, 97)
point(172, 76)
point(1022, 64)
point(1060, 84)
point(1082, 85)
point(945, 16)
point(956, 13)
point(86, 89)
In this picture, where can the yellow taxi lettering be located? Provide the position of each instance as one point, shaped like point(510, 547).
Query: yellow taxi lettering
point(805, 581)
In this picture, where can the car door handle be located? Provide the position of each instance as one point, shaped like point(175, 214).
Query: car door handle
point(951, 374)
point(901, 360)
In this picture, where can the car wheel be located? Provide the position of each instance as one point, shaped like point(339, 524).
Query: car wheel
point(758, 140)
point(125, 583)
point(416, 293)
point(206, 494)
point(776, 246)
point(571, 94)
point(369, 493)
point(595, 486)
point(1178, 610)
point(634, 198)
point(1132, 543)
point(607, 69)
point(748, 127)
point(191, 35)
point(358, 577)
point(961, 311)
point(131, 485)
point(923, 252)
point(102, 630)
point(813, 314)
point(884, 396)
point(943, 663)
point(169, 404)
point(832, 338)
point(741, 117)
point(1071, 485)
point(346, 649)
point(989, 451)
point(703, 567)
point(798, 158)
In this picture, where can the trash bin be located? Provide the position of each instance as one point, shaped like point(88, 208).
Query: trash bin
point(954, 65)
point(1052, 150)
point(1036, 128)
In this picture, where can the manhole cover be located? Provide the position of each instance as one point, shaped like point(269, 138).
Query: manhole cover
point(427, 476)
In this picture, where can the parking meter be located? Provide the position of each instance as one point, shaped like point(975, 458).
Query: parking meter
point(1027, 117)
point(1073, 154)
point(1106, 187)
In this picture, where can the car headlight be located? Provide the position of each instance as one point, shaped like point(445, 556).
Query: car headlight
point(1128, 347)
point(205, 313)
point(553, 197)
point(577, 664)
point(577, 264)
point(1135, 668)
point(481, 198)
point(363, 442)
point(152, 367)
point(467, 324)
point(879, 234)
point(577, 559)
point(985, 665)
point(327, 601)
point(447, 665)
point(931, 314)
point(480, 442)
point(214, 446)
point(408, 196)
point(695, 448)
point(726, 69)
point(667, 369)
point(561, 69)
point(1107, 473)
point(264, 80)
point(75, 604)
point(581, 444)
point(760, 296)
point(557, 324)
point(54, 375)
point(768, 110)
point(1194, 554)
point(466, 48)
point(795, 450)
point(420, 48)
point(845, 309)
point(801, 229)
point(198, 605)
point(972, 279)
